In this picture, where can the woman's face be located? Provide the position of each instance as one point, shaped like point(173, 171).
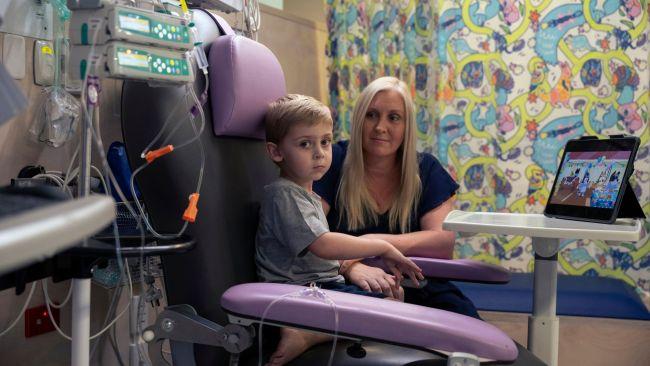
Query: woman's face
point(384, 124)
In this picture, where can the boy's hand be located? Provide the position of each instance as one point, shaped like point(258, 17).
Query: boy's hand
point(398, 264)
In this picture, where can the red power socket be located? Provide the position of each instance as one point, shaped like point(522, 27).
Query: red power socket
point(37, 321)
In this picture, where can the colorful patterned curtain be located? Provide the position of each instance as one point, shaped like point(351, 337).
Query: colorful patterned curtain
point(500, 86)
point(369, 39)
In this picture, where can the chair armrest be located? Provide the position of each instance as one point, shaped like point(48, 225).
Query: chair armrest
point(466, 270)
point(370, 318)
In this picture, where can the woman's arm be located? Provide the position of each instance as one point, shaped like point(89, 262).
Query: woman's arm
point(432, 241)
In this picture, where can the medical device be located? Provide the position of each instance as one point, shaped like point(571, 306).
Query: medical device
point(116, 41)
point(3, 7)
point(122, 60)
point(223, 5)
point(12, 99)
point(130, 24)
point(131, 43)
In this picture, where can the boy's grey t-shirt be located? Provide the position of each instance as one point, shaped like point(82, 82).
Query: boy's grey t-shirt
point(290, 220)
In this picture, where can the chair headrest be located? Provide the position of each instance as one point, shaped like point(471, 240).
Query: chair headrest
point(245, 76)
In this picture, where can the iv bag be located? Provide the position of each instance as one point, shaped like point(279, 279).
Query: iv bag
point(57, 117)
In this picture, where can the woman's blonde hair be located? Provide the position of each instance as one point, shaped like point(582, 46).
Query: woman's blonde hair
point(356, 205)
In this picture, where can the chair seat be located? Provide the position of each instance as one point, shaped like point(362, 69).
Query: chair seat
point(576, 296)
point(370, 318)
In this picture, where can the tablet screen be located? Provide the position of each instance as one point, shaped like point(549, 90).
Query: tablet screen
point(591, 178)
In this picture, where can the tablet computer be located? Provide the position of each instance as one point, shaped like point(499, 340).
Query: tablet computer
point(591, 180)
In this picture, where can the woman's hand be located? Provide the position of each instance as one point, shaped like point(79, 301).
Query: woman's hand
point(373, 279)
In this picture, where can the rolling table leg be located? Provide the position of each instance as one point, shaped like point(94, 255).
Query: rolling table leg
point(544, 325)
point(80, 321)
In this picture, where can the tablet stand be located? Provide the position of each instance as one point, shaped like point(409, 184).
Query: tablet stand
point(630, 207)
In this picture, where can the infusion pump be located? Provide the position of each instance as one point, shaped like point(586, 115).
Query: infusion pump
point(130, 43)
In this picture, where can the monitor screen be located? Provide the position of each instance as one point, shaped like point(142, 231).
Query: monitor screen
point(590, 178)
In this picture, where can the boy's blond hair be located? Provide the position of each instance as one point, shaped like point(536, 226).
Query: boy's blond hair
point(293, 109)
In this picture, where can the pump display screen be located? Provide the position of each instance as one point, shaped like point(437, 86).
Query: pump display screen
point(132, 59)
point(134, 24)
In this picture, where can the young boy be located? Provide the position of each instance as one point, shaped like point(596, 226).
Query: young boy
point(294, 244)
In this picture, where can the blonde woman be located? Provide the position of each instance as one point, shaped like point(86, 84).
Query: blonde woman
point(380, 186)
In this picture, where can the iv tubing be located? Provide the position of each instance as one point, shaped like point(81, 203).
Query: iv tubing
point(22, 311)
point(314, 292)
point(196, 137)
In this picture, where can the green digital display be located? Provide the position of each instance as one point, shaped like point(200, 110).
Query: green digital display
point(148, 27)
point(141, 60)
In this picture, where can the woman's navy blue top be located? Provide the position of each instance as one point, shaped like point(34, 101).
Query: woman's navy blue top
point(437, 187)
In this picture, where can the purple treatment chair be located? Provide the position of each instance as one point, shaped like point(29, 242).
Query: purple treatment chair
point(215, 304)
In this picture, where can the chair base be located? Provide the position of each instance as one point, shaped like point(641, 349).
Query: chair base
point(377, 354)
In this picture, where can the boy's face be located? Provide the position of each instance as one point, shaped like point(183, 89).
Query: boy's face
point(304, 154)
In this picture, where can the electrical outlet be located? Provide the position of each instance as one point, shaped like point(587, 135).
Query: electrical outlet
point(37, 321)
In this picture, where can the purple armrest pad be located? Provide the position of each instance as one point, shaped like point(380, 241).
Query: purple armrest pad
point(371, 318)
point(245, 77)
point(454, 269)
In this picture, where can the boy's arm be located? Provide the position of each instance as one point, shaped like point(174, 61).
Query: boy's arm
point(344, 262)
point(341, 246)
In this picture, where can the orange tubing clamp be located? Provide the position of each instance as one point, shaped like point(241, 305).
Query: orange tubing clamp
point(190, 212)
point(153, 155)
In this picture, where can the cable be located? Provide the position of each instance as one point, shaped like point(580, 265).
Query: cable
point(194, 110)
point(252, 18)
point(111, 311)
point(311, 292)
point(47, 296)
point(162, 129)
point(49, 313)
point(57, 179)
point(22, 311)
point(141, 346)
point(113, 340)
point(101, 178)
point(67, 172)
point(196, 137)
point(88, 117)
point(162, 355)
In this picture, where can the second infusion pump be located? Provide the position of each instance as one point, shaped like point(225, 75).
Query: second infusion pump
point(127, 61)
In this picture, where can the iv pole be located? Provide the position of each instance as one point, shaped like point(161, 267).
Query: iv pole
point(81, 286)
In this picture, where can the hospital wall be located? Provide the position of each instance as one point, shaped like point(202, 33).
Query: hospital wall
point(303, 62)
point(500, 86)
